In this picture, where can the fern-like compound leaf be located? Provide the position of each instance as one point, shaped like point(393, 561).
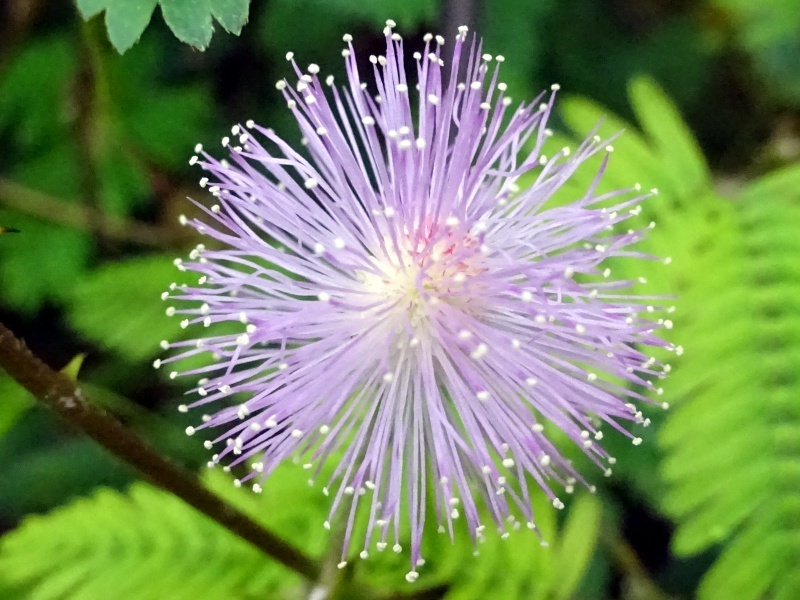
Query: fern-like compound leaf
point(147, 545)
point(732, 437)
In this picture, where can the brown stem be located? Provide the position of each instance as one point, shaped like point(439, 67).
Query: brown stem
point(26, 200)
point(637, 577)
point(92, 124)
point(65, 397)
point(16, 19)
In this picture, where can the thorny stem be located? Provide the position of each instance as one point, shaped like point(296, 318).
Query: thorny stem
point(65, 397)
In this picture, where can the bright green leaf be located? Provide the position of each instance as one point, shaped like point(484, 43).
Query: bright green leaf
point(577, 545)
point(736, 268)
point(189, 21)
point(231, 14)
point(747, 569)
point(681, 157)
point(149, 544)
point(89, 8)
point(783, 184)
point(126, 20)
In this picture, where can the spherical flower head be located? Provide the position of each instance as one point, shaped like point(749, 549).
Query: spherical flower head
point(404, 308)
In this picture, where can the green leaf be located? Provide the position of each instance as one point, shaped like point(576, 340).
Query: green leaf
point(33, 92)
point(41, 263)
point(151, 545)
point(162, 126)
point(522, 46)
point(741, 385)
point(731, 455)
point(54, 471)
point(118, 306)
point(407, 13)
point(123, 182)
point(189, 21)
point(286, 21)
point(681, 157)
point(126, 20)
point(767, 31)
point(166, 125)
point(148, 543)
point(231, 14)
point(14, 401)
point(89, 8)
point(577, 546)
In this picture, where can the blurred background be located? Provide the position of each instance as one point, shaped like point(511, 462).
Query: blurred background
point(94, 173)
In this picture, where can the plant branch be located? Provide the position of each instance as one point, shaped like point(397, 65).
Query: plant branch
point(92, 124)
point(26, 200)
point(636, 576)
point(65, 397)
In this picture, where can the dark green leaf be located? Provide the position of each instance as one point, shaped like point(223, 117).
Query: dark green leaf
point(14, 401)
point(41, 263)
point(286, 22)
point(522, 45)
point(33, 92)
point(407, 13)
point(123, 183)
point(56, 471)
point(118, 306)
point(767, 30)
point(189, 21)
point(231, 14)
point(44, 261)
point(126, 20)
point(167, 125)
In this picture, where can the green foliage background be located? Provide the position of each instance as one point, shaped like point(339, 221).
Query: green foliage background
point(93, 171)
